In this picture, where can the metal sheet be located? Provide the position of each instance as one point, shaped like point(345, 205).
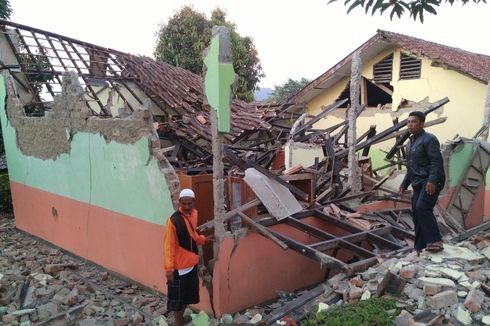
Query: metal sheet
point(278, 200)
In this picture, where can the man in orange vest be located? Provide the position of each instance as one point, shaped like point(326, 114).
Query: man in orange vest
point(181, 256)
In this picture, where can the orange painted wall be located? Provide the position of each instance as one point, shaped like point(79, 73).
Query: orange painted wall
point(253, 270)
point(122, 244)
point(486, 209)
point(246, 274)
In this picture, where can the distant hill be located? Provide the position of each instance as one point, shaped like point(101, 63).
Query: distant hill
point(262, 93)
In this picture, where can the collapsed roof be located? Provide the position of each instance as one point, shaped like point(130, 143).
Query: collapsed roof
point(114, 82)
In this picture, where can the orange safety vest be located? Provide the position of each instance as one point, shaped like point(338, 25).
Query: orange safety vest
point(181, 240)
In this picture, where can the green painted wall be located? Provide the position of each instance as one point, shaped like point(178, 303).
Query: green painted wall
point(119, 177)
point(457, 164)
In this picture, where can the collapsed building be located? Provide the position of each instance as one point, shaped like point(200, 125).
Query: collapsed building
point(99, 143)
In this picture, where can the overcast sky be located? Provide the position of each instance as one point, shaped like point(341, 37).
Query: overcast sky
point(294, 39)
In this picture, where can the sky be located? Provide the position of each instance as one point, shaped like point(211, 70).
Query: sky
point(294, 39)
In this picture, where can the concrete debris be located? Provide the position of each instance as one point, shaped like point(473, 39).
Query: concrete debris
point(463, 316)
point(438, 281)
point(451, 292)
point(474, 300)
point(443, 299)
point(64, 290)
point(486, 320)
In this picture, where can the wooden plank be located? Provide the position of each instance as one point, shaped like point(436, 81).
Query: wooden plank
point(325, 193)
point(390, 130)
point(311, 253)
point(383, 88)
point(341, 199)
point(382, 181)
point(317, 118)
point(296, 177)
point(374, 236)
point(306, 297)
point(210, 224)
point(364, 135)
point(399, 133)
point(262, 230)
point(371, 134)
point(399, 142)
point(364, 95)
point(315, 176)
point(470, 232)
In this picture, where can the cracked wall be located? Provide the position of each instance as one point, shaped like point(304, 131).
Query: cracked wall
point(50, 136)
point(235, 290)
point(100, 188)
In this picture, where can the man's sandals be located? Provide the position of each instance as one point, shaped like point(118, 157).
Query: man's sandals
point(435, 246)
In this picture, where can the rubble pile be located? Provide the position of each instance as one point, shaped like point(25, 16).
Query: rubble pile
point(452, 286)
point(41, 285)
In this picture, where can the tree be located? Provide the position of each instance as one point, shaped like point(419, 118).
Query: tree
point(182, 40)
point(288, 89)
point(5, 9)
point(416, 8)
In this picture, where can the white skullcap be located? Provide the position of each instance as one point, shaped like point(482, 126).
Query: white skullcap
point(187, 193)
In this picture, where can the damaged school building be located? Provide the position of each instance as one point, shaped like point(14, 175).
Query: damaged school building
point(100, 142)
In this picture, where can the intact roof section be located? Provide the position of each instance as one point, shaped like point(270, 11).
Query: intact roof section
point(471, 64)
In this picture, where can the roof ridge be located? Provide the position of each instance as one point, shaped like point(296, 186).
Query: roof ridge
point(387, 34)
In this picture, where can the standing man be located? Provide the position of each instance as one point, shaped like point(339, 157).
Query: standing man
point(181, 256)
point(425, 172)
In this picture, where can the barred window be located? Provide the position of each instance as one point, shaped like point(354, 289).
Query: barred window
point(409, 66)
point(383, 70)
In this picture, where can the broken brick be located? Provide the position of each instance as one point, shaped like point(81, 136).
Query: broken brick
point(71, 298)
point(391, 283)
point(9, 319)
point(474, 300)
point(431, 289)
point(443, 299)
point(355, 293)
point(483, 244)
point(121, 322)
point(357, 282)
point(53, 268)
point(408, 272)
point(475, 276)
point(82, 289)
point(137, 319)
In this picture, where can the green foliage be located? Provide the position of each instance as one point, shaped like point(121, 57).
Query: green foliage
point(416, 8)
point(5, 9)
point(39, 69)
point(288, 89)
point(182, 40)
point(5, 196)
point(368, 312)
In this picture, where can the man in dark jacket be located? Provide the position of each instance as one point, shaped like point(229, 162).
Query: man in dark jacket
point(425, 172)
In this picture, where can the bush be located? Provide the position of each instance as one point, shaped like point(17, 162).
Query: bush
point(5, 196)
point(371, 312)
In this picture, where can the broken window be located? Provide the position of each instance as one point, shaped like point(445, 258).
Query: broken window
point(383, 70)
point(377, 93)
point(372, 94)
point(409, 66)
point(345, 95)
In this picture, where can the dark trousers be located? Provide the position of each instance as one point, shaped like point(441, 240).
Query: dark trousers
point(183, 290)
point(426, 229)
